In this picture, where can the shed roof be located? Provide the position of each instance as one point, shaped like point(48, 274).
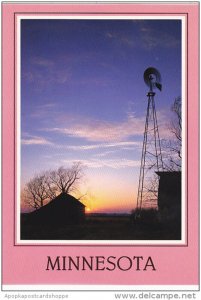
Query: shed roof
point(169, 173)
point(62, 201)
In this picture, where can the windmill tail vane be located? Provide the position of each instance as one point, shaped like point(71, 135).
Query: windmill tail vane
point(159, 86)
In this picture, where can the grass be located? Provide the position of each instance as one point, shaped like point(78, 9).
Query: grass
point(108, 227)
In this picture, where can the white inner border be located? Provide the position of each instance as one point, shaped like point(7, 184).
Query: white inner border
point(183, 95)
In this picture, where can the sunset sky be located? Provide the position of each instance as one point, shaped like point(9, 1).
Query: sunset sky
point(83, 98)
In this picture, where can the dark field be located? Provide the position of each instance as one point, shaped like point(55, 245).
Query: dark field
point(103, 227)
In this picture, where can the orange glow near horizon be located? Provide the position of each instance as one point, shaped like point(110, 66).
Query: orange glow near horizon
point(112, 205)
point(110, 194)
point(106, 192)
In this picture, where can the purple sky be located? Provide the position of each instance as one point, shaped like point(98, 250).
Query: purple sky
point(83, 98)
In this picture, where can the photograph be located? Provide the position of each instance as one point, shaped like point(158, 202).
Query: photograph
point(100, 149)
point(101, 129)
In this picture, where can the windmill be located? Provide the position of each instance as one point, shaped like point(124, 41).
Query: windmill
point(151, 159)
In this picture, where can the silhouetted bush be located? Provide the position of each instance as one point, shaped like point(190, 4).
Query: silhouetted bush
point(145, 216)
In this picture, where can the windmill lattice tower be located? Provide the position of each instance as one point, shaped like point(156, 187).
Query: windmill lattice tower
point(151, 159)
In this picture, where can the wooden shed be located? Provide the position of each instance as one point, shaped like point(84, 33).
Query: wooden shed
point(62, 210)
point(169, 197)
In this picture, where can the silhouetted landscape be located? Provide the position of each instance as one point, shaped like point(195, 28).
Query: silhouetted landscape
point(65, 218)
point(103, 227)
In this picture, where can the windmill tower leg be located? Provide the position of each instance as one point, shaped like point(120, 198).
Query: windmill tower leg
point(151, 159)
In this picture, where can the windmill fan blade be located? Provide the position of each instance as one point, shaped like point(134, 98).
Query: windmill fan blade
point(158, 85)
point(152, 78)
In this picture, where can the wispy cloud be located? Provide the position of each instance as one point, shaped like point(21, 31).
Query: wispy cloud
point(38, 140)
point(153, 40)
point(44, 110)
point(44, 72)
point(35, 140)
point(44, 78)
point(105, 153)
point(109, 133)
point(40, 61)
point(103, 146)
point(146, 37)
point(121, 38)
point(103, 131)
point(110, 163)
point(105, 135)
point(49, 105)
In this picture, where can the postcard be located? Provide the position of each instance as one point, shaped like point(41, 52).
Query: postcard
point(100, 161)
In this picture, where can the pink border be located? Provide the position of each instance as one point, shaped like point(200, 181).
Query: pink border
point(175, 265)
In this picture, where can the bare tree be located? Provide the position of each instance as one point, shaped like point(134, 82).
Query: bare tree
point(47, 185)
point(173, 147)
point(65, 180)
point(35, 191)
point(176, 127)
